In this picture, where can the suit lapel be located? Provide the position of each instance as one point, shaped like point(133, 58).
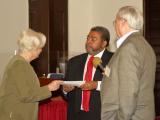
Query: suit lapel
point(78, 96)
point(82, 65)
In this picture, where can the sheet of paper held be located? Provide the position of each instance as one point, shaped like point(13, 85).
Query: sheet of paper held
point(74, 83)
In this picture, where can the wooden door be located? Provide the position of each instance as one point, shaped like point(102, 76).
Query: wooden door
point(58, 32)
point(51, 18)
point(152, 34)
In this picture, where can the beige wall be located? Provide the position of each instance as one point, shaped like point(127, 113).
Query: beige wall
point(13, 18)
point(83, 14)
point(86, 13)
point(79, 22)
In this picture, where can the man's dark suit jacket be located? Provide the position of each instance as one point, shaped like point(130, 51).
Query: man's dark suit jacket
point(75, 68)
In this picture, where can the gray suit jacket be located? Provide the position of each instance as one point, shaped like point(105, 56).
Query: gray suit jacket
point(127, 92)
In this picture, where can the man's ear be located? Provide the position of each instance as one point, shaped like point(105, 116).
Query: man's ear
point(105, 43)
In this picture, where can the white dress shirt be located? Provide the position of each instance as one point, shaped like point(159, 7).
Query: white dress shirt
point(93, 71)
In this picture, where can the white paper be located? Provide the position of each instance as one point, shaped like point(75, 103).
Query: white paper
point(74, 83)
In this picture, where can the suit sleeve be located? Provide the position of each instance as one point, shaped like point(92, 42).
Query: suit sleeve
point(128, 76)
point(26, 83)
point(68, 71)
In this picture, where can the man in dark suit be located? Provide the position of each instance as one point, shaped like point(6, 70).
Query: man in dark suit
point(96, 43)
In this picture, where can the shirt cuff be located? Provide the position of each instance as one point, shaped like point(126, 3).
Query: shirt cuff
point(65, 92)
point(98, 86)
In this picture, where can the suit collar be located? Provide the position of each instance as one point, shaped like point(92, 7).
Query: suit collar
point(124, 43)
point(124, 37)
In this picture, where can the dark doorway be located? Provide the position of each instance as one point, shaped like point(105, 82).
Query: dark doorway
point(51, 18)
point(152, 34)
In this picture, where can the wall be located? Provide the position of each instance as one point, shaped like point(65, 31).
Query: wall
point(14, 18)
point(79, 22)
point(84, 14)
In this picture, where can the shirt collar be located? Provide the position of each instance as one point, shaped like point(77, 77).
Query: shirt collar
point(123, 38)
point(99, 54)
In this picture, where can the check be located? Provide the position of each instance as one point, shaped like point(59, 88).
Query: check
point(74, 83)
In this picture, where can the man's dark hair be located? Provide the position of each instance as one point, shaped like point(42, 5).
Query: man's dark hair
point(105, 35)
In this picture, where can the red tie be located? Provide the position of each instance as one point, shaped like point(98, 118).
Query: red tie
point(87, 93)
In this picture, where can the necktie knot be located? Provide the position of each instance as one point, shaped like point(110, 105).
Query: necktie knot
point(90, 64)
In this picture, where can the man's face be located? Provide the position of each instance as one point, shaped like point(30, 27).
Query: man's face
point(94, 43)
point(119, 25)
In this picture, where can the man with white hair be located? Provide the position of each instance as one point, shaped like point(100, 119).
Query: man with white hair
point(127, 91)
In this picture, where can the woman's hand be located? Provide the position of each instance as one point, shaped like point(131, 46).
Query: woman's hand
point(54, 85)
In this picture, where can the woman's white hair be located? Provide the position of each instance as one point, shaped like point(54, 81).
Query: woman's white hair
point(30, 40)
point(132, 15)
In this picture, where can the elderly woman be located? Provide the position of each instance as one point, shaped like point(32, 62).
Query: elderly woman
point(20, 90)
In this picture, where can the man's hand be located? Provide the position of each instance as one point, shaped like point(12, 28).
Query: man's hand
point(68, 88)
point(90, 85)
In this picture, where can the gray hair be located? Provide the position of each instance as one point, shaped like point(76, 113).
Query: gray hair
point(132, 15)
point(30, 40)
